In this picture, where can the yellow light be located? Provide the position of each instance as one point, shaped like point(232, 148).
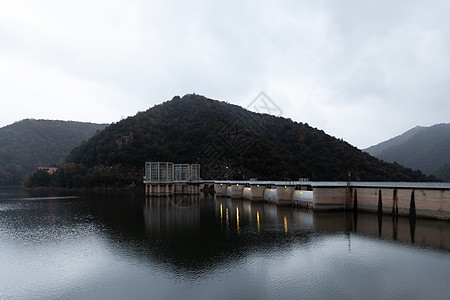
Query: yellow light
point(285, 187)
point(237, 184)
point(237, 218)
point(227, 218)
point(257, 185)
point(285, 225)
point(257, 221)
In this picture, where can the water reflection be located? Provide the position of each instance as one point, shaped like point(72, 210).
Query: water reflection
point(199, 222)
point(193, 234)
point(285, 225)
point(423, 232)
point(394, 226)
point(412, 228)
point(188, 247)
point(380, 223)
point(237, 219)
point(258, 222)
point(168, 215)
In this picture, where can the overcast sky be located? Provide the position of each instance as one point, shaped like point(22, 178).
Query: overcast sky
point(363, 71)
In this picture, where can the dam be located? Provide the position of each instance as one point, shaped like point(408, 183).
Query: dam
point(418, 199)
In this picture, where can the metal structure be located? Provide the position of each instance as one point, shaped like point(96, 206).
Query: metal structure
point(167, 178)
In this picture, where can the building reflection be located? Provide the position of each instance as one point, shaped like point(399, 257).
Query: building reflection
point(192, 214)
point(260, 216)
point(195, 233)
point(171, 214)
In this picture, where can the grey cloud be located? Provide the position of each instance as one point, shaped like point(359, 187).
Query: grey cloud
point(337, 65)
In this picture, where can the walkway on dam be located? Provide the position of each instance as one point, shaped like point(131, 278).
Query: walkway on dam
point(373, 184)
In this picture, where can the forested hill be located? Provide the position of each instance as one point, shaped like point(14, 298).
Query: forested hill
point(423, 148)
point(227, 140)
point(395, 141)
point(28, 144)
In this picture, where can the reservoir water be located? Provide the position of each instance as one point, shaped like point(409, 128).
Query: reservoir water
point(108, 245)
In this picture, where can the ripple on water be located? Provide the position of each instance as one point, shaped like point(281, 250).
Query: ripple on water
point(65, 249)
point(8, 206)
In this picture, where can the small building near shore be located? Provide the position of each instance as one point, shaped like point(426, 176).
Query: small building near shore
point(49, 170)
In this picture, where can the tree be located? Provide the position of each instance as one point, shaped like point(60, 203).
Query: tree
point(39, 178)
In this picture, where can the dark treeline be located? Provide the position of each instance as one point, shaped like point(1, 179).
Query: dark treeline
point(29, 144)
point(228, 141)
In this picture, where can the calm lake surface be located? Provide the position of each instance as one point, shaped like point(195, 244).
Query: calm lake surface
point(124, 246)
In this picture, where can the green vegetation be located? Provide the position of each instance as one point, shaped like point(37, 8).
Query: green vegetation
point(28, 144)
point(227, 140)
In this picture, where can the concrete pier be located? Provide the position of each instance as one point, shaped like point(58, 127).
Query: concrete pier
point(429, 201)
point(284, 194)
point(236, 190)
point(163, 189)
point(169, 189)
point(220, 189)
point(257, 192)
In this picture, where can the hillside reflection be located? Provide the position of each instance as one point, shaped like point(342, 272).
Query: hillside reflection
point(192, 234)
point(165, 216)
point(99, 245)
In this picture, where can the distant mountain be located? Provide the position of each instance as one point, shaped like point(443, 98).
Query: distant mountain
point(443, 172)
point(423, 148)
point(398, 140)
point(28, 144)
point(228, 141)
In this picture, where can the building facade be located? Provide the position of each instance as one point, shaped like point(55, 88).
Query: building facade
point(170, 172)
point(167, 178)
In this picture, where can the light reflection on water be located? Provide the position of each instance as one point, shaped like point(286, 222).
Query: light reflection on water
point(116, 246)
